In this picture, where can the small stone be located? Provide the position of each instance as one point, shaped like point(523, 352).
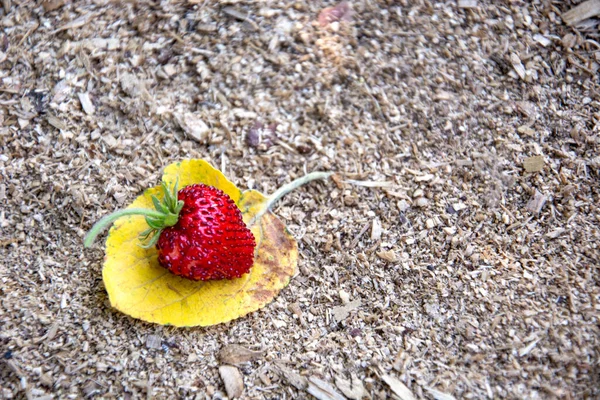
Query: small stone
point(418, 193)
point(403, 205)
point(421, 202)
point(430, 223)
point(193, 126)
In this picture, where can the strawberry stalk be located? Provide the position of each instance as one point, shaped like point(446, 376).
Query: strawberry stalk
point(166, 214)
point(285, 189)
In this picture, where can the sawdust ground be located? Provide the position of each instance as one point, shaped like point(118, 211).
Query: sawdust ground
point(469, 266)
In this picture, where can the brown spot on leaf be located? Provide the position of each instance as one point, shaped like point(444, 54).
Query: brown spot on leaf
point(263, 295)
point(274, 242)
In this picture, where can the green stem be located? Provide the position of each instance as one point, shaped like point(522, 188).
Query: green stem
point(285, 189)
point(109, 219)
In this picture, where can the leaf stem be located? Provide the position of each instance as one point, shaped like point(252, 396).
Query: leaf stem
point(285, 189)
point(109, 219)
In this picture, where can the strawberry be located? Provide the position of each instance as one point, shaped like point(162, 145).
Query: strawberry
point(210, 240)
point(198, 231)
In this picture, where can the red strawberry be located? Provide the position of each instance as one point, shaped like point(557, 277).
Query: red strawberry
point(210, 240)
point(198, 231)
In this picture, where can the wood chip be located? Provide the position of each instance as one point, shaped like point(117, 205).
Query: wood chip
point(583, 11)
point(153, 342)
point(52, 332)
point(467, 3)
point(526, 130)
point(424, 178)
point(235, 354)
point(51, 5)
point(86, 103)
point(340, 313)
point(534, 163)
point(398, 388)
point(518, 66)
point(541, 39)
point(322, 390)
point(77, 23)
point(527, 349)
point(437, 395)
point(351, 388)
point(376, 229)
point(371, 184)
point(537, 202)
point(389, 255)
point(55, 122)
point(233, 380)
point(131, 85)
point(193, 126)
point(555, 233)
point(295, 379)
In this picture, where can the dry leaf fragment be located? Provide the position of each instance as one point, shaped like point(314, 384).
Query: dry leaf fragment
point(537, 202)
point(534, 163)
point(389, 256)
point(398, 388)
point(437, 395)
point(322, 390)
point(193, 126)
point(233, 380)
point(235, 354)
point(340, 313)
point(339, 12)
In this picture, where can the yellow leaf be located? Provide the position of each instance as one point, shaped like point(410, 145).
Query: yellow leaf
point(138, 286)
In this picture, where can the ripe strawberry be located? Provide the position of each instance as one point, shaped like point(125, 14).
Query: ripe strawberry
point(210, 240)
point(198, 231)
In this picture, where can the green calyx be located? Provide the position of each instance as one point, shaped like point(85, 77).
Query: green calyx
point(165, 215)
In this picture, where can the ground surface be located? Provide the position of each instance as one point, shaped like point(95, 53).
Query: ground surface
point(464, 287)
